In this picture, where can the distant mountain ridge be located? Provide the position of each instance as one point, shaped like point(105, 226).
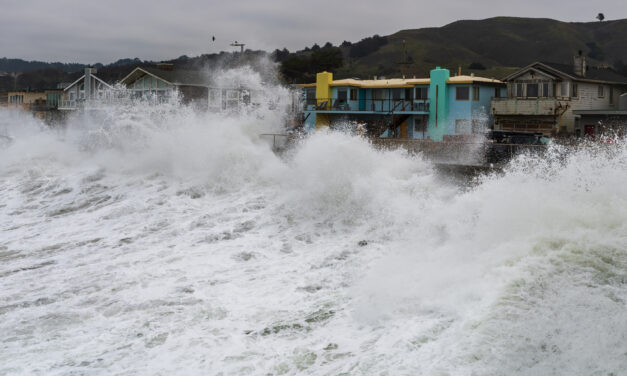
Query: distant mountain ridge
point(491, 47)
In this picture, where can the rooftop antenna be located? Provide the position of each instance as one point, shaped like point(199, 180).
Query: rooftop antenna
point(240, 45)
point(404, 64)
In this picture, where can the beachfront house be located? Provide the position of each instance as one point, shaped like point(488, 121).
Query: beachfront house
point(556, 98)
point(437, 108)
point(85, 91)
point(162, 81)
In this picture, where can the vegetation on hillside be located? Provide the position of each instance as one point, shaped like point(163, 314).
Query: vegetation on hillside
point(493, 48)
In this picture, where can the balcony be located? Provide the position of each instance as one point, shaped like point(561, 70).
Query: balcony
point(372, 106)
point(524, 106)
point(67, 105)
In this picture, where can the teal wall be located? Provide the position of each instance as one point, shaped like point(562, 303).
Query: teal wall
point(459, 109)
point(438, 109)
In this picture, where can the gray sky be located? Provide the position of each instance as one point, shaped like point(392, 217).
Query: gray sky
point(106, 30)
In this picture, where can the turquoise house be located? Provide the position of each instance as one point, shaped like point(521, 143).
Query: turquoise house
point(437, 108)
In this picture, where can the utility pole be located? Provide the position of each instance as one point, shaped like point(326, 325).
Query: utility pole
point(404, 64)
point(240, 45)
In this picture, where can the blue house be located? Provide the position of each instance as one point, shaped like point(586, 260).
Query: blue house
point(436, 108)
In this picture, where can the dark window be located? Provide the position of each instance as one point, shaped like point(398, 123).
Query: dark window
point(545, 90)
point(611, 96)
point(462, 93)
point(310, 95)
point(601, 91)
point(353, 94)
point(532, 90)
point(396, 94)
point(575, 90)
point(419, 125)
point(341, 95)
point(497, 92)
point(422, 93)
point(519, 90)
point(408, 94)
point(475, 93)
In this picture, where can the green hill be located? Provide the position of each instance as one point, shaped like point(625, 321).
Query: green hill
point(499, 44)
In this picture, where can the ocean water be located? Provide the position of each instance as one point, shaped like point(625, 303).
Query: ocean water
point(155, 240)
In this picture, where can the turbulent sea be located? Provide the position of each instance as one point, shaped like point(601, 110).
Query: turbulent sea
point(155, 240)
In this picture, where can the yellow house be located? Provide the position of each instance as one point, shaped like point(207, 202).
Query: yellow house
point(26, 100)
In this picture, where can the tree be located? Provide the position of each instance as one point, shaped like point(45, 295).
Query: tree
point(280, 55)
point(476, 66)
point(367, 46)
point(600, 17)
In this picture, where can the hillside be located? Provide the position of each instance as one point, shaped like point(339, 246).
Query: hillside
point(499, 44)
point(494, 47)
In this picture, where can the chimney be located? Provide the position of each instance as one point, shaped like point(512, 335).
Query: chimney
point(165, 66)
point(87, 82)
point(579, 65)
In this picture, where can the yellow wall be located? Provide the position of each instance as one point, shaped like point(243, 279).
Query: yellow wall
point(323, 94)
point(28, 96)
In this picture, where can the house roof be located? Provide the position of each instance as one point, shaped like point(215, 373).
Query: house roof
point(592, 73)
point(596, 74)
point(472, 79)
point(405, 82)
point(174, 76)
point(83, 77)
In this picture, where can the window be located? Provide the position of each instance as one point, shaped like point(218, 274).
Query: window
point(422, 93)
point(475, 93)
point(378, 94)
point(575, 90)
point(408, 94)
point(564, 89)
point(462, 93)
point(419, 125)
point(497, 92)
point(341, 95)
point(545, 90)
point(532, 90)
point(213, 96)
point(310, 95)
point(396, 94)
point(519, 90)
point(478, 126)
point(601, 91)
point(353, 94)
point(462, 126)
point(611, 96)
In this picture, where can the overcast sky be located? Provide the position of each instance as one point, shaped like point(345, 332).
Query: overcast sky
point(106, 30)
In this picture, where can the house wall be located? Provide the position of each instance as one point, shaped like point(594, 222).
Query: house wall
point(77, 90)
point(195, 95)
point(25, 99)
point(149, 84)
point(460, 112)
point(439, 103)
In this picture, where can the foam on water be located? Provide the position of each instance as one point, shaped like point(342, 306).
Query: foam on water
point(158, 240)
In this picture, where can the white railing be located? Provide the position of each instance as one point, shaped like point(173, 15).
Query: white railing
point(524, 106)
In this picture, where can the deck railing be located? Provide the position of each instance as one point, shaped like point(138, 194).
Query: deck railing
point(369, 105)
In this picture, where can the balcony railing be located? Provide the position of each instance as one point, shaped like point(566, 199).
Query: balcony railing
point(369, 105)
point(524, 106)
